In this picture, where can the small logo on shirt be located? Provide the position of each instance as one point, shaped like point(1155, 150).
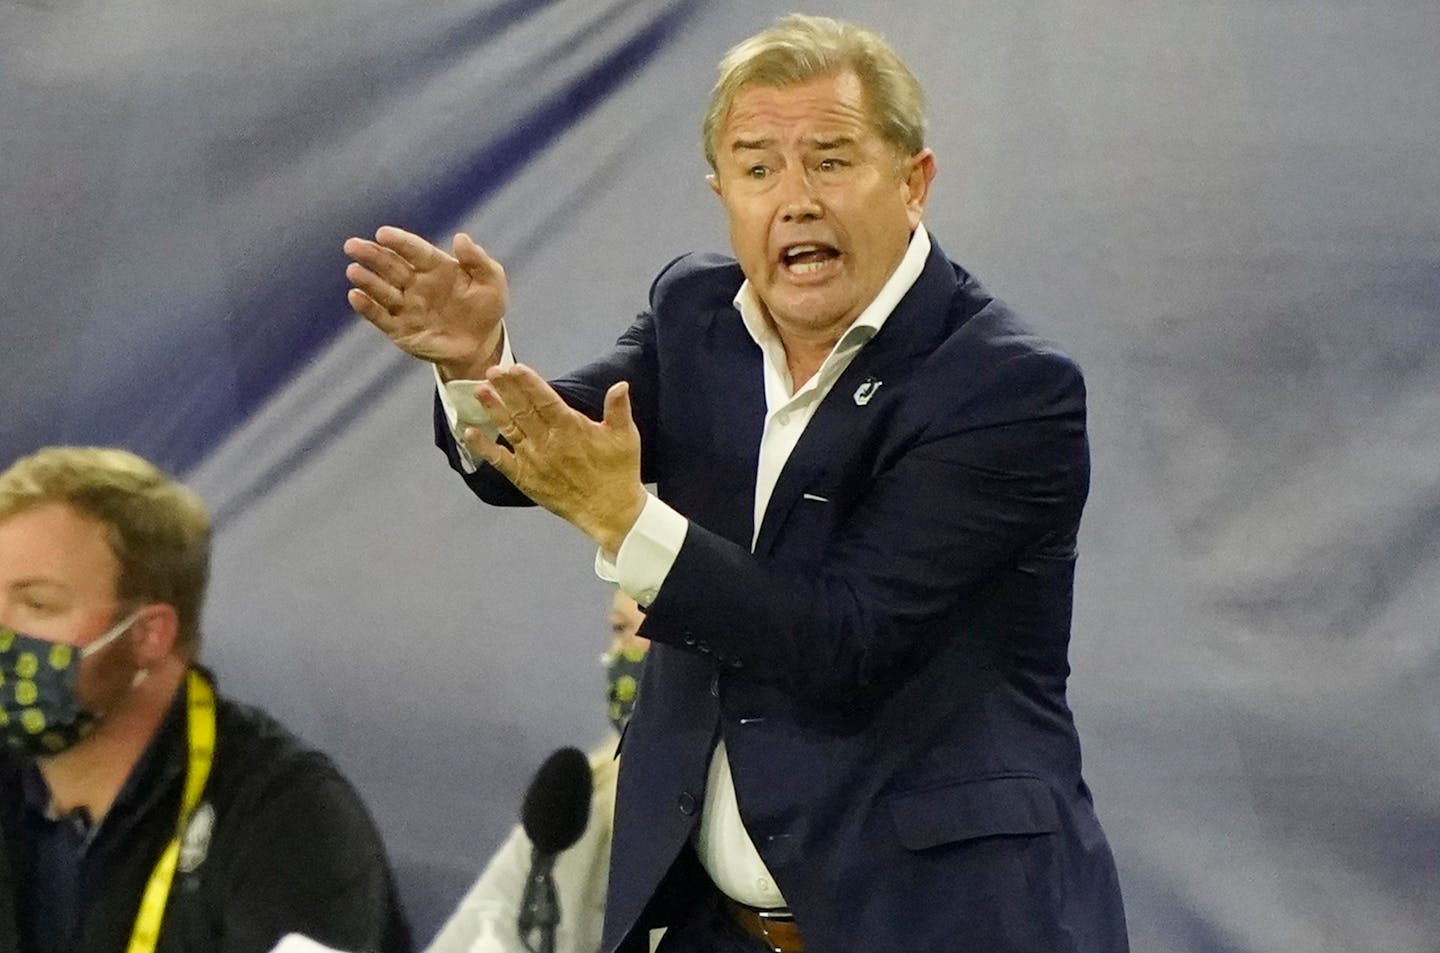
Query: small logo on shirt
point(195, 844)
point(866, 390)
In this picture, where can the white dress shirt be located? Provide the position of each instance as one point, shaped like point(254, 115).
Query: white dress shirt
point(647, 553)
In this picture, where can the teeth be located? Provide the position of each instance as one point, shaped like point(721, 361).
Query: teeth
point(807, 259)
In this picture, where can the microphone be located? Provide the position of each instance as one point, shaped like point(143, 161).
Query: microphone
point(554, 814)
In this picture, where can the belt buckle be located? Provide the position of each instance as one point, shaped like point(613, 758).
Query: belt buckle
point(777, 916)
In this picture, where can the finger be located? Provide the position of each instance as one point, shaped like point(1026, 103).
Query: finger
point(416, 251)
point(377, 289)
point(513, 434)
point(507, 406)
point(475, 260)
point(491, 452)
point(497, 409)
point(618, 414)
point(381, 260)
point(528, 394)
point(365, 306)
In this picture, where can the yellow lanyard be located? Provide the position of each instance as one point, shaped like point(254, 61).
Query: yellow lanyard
point(200, 732)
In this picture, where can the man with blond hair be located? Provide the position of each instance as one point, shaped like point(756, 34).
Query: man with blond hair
point(857, 561)
point(139, 811)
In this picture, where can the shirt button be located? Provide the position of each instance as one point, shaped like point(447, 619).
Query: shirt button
point(763, 885)
point(783, 418)
point(687, 803)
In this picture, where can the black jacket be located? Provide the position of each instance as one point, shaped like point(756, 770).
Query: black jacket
point(292, 849)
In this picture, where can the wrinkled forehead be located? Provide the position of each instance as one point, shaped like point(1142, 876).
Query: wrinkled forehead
point(825, 108)
point(843, 83)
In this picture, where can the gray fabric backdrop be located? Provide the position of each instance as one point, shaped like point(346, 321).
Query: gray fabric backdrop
point(1227, 211)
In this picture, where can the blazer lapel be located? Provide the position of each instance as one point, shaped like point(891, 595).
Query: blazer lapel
point(914, 329)
point(733, 383)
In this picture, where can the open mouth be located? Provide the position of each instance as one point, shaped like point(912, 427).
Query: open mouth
point(808, 258)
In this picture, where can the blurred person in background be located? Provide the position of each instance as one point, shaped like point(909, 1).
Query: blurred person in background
point(486, 918)
point(139, 809)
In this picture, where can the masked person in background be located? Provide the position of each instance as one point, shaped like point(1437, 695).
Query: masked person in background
point(486, 918)
point(139, 810)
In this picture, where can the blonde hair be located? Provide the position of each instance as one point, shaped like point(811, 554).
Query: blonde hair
point(158, 530)
point(800, 48)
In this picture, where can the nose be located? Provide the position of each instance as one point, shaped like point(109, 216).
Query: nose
point(799, 202)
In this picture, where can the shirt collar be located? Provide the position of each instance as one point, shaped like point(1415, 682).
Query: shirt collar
point(868, 324)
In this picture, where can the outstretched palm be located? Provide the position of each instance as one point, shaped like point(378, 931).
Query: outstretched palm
point(435, 306)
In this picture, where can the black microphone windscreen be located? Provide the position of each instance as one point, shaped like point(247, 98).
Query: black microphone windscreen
point(557, 804)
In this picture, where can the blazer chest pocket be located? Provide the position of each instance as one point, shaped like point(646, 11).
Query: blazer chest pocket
point(807, 526)
point(1006, 806)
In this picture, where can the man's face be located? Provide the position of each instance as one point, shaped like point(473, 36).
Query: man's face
point(57, 582)
point(820, 208)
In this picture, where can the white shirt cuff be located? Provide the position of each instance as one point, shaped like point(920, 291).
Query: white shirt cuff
point(462, 410)
point(647, 553)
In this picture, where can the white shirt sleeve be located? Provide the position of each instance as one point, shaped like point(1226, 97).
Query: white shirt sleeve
point(647, 552)
point(492, 904)
point(462, 410)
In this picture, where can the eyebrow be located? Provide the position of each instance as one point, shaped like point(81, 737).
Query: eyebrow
point(33, 582)
point(751, 144)
point(839, 142)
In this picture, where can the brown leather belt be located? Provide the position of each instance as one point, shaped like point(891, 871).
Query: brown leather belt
point(777, 928)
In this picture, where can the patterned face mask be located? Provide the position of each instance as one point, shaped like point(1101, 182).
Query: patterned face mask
point(622, 673)
point(40, 713)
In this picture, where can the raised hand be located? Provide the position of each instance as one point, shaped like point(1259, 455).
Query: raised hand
point(585, 472)
point(442, 308)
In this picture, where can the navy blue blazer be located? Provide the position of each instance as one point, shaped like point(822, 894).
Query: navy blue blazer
point(888, 667)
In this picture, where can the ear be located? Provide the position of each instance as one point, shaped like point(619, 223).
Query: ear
point(155, 633)
point(919, 173)
point(713, 181)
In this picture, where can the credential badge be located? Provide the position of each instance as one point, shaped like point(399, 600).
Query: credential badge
point(195, 845)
